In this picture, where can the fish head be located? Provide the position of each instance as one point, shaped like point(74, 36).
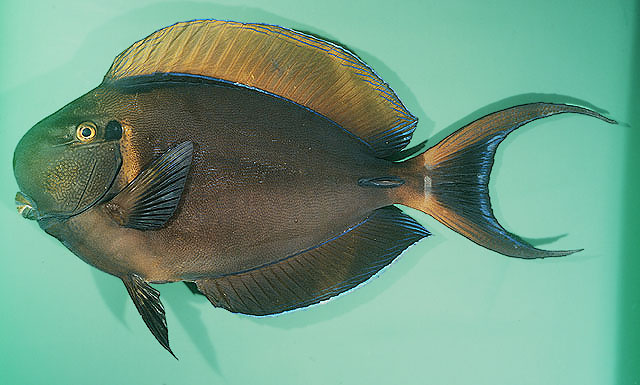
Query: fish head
point(67, 162)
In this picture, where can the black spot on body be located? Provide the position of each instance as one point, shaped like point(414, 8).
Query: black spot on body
point(113, 131)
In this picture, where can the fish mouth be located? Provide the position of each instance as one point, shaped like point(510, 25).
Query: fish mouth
point(26, 207)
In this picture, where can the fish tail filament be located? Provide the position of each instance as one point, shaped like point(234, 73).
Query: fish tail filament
point(456, 172)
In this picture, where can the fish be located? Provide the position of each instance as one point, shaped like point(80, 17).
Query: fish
point(263, 165)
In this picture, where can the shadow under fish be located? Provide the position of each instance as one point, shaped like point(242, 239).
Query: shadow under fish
point(260, 164)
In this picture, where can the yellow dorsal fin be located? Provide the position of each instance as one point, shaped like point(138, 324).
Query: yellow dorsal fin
point(314, 73)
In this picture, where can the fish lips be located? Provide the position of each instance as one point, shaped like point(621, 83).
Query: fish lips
point(26, 207)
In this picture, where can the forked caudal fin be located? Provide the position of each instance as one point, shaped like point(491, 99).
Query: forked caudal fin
point(456, 177)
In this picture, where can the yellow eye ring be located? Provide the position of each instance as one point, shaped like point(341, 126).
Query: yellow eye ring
point(86, 131)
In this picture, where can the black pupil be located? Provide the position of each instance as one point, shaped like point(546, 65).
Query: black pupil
point(86, 132)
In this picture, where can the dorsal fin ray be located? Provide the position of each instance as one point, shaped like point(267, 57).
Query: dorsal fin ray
point(309, 71)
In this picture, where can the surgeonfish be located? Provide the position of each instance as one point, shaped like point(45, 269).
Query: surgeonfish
point(260, 163)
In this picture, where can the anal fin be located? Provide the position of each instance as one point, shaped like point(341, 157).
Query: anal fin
point(318, 273)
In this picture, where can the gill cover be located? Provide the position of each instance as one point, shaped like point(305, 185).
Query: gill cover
point(59, 175)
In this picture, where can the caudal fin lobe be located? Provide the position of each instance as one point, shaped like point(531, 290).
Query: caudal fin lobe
point(456, 177)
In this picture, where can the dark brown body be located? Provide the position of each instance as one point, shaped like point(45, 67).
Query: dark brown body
point(163, 173)
point(269, 178)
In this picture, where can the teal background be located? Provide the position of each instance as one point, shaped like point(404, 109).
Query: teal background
point(448, 311)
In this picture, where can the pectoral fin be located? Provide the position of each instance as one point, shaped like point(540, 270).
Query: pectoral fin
point(152, 197)
point(147, 301)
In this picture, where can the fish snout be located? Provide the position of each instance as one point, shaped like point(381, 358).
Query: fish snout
point(26, 207)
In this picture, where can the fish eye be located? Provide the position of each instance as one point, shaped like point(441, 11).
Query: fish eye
point(86, 131)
